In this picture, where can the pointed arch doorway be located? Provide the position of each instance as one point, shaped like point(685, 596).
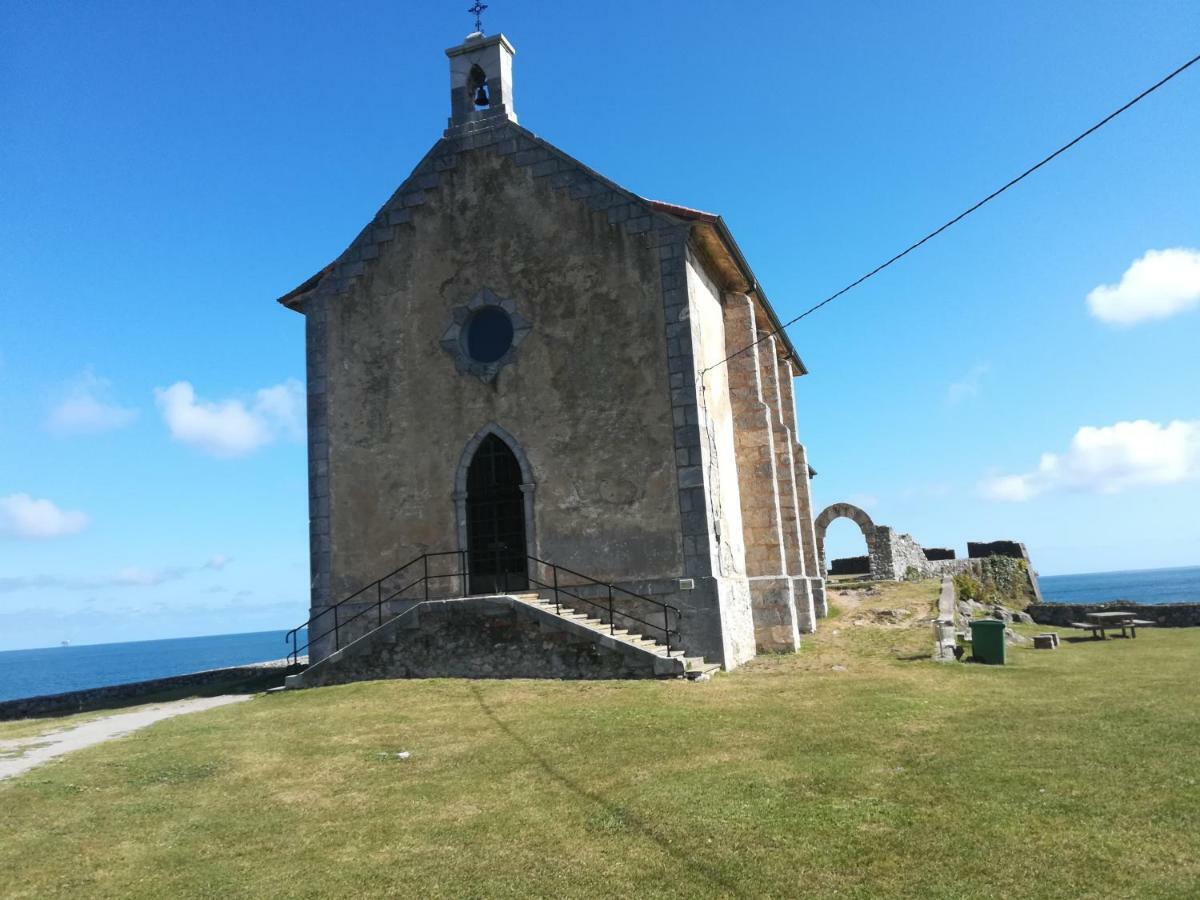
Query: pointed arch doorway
point(496, 538)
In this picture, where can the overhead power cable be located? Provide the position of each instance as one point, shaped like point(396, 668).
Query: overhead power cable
point(962, 215)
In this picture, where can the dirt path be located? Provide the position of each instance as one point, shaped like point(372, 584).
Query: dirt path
point(22, 754)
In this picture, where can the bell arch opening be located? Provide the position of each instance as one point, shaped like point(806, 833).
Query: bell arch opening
point(478, 86)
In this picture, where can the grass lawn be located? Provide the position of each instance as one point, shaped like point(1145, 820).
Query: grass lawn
point(1070, 773)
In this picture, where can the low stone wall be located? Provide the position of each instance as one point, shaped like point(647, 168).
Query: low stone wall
point(120, 694)
point(851, 565)
point(1167, 615)
point(953, 566)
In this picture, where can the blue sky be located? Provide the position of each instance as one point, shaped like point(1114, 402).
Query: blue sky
point(169, 169)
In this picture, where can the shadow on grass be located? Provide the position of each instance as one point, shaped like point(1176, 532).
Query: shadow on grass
point(729, 887)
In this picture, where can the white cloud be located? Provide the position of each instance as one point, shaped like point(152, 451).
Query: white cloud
point(968, 386)
point(1012, 488)
point(1160, 284)
point(22, 516)
point(1108, 460)
point(229, 428)
point(87, 408)
point(129, 576)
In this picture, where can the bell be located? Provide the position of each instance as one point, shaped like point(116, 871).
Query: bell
point(481, 97)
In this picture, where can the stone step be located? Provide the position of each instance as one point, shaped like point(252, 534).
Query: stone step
point(695, 667)
point(701, 673)
point(544, 604)
point(666, 663)
point(645, 642)
point(629, 637)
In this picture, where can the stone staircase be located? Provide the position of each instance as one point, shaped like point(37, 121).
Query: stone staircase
point(694, 668)
point(458, 638)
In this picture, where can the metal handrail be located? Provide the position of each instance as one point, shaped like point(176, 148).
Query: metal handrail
point(292, 636)
point(667, 608)
point(463, 572)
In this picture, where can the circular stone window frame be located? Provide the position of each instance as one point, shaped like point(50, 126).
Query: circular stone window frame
point(454, 338)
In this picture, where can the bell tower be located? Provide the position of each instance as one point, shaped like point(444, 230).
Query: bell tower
point(480, 82)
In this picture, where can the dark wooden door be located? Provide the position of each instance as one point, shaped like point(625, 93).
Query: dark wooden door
point(495, 520)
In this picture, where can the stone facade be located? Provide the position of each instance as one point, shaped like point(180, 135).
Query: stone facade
point(643, 459)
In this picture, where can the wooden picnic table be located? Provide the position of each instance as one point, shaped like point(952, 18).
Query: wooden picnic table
point(1111, 620)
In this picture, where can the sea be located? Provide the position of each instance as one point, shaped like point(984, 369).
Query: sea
point(1178, 585)
point(52, 670)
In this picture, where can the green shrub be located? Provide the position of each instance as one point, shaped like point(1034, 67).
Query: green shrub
point(967, 587)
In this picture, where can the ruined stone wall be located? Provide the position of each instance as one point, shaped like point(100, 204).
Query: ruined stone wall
point(851, 565)
point(898, 553)
point(938, 554)
point(983, 549)
point(893, 555)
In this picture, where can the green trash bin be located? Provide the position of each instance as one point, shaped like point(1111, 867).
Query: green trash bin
point(987, 641)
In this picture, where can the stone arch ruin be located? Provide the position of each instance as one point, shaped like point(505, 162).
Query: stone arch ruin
point(892, 554)
point(843, 511)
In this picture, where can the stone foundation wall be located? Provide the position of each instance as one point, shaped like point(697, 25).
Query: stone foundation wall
point(1167, 615)
point(486, 637)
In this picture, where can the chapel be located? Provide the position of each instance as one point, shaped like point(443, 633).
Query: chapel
point(518, 389)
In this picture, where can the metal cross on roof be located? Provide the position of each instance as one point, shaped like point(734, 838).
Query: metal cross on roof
point(478, 9)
